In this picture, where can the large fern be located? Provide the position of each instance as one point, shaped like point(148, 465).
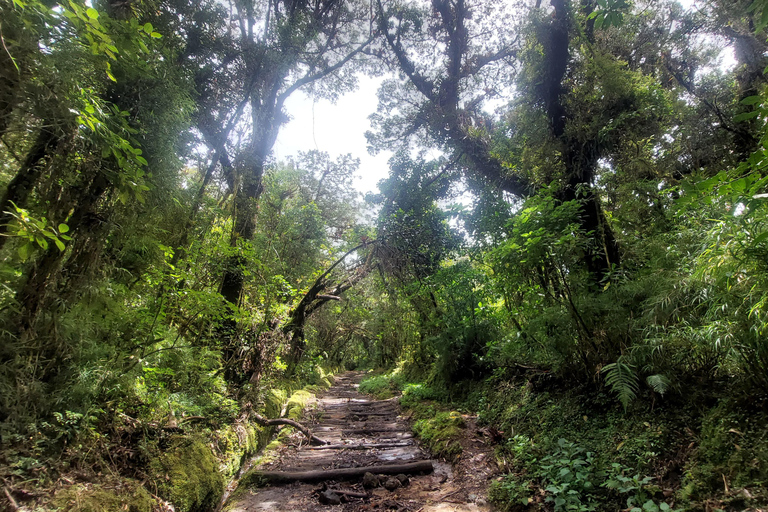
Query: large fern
point(658, 382)
point(622, 379)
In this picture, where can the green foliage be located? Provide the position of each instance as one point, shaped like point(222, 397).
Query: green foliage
point(622, 379)
point(511, 492)
point(732, 449)
point(130, 496)
point(572, 477)
point(35, 231)
point(575, 481)
point(381, 386)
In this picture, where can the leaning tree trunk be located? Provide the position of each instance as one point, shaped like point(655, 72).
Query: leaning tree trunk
point(44, 274)
point(26, 178)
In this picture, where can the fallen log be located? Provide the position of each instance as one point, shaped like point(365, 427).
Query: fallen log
point(264, 422)
point(284, 477)
point(360, 446)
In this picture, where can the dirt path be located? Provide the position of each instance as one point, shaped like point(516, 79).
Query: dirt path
point(364, 432)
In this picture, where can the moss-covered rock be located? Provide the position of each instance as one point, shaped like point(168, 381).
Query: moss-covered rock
point(441, 433)
point(188, 475)
point(296, 404)
point(236, 442)
point(129, 496)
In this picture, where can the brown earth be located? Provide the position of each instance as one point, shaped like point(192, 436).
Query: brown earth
point(364, 432)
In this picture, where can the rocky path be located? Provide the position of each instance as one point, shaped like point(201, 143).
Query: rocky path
point(366, 434)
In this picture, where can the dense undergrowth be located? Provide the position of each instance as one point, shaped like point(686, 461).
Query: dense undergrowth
point(182, 464)
point(570, 448)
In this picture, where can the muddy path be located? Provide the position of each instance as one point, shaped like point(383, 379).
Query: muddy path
point(366, 433)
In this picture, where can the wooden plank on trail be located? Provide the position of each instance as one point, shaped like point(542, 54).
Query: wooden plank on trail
point(369, 430)
point(284, 477)
point(360, 446)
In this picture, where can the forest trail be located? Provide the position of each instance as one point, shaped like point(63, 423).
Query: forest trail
point(364, 432)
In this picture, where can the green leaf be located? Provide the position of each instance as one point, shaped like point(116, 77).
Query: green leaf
point(63, 228)
point(148, 28)
point(746, 116)
point(599, 21)
point(42, 242)
point(155, 35)
point(659, 383)
point(751, 100)
point(59, 244)
point(650, 506)
point(92, 13)
point(24, 251)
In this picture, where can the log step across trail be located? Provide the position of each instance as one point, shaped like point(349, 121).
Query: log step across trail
point(370, 461)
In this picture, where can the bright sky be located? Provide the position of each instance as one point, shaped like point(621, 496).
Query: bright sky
point(337, 129)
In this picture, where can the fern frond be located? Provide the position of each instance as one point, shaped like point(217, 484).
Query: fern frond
point(659, 383)
point(622, 380)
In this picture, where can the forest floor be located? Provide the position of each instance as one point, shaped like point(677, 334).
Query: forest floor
point(365, 432)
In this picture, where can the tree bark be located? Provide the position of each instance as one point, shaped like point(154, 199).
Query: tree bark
point(24, 182)
point(580, 159)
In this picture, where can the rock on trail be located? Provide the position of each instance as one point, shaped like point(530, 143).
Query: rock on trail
point(368, 441)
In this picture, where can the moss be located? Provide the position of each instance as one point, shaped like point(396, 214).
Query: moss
point(130, 496)
point(382, 386)
point(273, 402)
point(441, 432)
point(188, 476)
point(296, 404)
point(236, 442)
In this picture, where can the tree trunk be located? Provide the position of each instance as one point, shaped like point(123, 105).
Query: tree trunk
point(233, 280)
point(24, 182)
point(580, 158)
point(45, 272)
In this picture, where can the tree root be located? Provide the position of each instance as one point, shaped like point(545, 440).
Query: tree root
point(265, 422)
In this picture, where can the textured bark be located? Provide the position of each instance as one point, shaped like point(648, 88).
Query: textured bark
point(44, 274)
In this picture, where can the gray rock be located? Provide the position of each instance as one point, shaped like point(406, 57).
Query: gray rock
point(328, 497)
point(403, 479)
point(392, 483)
point(370, 481)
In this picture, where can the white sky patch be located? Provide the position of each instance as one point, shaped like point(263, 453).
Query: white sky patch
point(337, 129)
